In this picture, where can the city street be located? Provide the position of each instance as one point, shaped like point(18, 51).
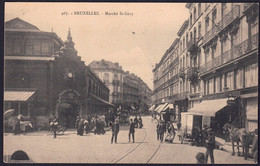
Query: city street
point(90, 148)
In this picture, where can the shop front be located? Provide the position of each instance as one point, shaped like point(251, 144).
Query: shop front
point(216, 113)
point(19, 103)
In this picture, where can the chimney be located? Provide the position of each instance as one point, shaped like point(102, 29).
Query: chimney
point(117, 64)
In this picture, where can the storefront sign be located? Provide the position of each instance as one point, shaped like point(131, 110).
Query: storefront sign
point(231, 102)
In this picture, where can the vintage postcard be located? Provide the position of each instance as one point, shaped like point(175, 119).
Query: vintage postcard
point(141, 83)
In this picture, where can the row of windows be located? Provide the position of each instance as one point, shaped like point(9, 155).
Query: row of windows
point(233, 80)
point(97, 90)
point(30, 47)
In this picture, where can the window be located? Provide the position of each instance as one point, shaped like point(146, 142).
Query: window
point(45, 47)
point(206, 24)
point(115, 76)
point(217, 83)
point(239, 79)
point(199, 30)
point(199, 9)
point(183, 42)
point(195, 33)
point(17, 47)
point(106, 77)
point(211, 87)
point(230, 80)
point(187, 38)
point(214, 16)
point(28, 47)
point(195, 14)
point(190, 36)
point(251, 75)
point(254, 27)
point(37, 47)
point(190, 20)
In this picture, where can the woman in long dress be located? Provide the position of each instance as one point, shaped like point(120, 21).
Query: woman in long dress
point(170, 132)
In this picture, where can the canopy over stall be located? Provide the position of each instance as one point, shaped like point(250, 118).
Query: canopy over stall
point(208, 107)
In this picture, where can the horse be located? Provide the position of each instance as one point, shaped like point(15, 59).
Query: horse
point(239, 135)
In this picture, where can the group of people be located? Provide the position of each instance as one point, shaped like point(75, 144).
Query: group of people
point(138, 122)
point(165, 128)
point(84, 125)
point(133, 124)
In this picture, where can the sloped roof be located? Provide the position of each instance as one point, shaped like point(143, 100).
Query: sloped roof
point(103, 64)
point(20, 24)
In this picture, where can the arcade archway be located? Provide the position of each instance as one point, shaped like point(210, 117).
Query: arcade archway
point(68, 108)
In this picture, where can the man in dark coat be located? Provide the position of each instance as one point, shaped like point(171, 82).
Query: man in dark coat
point(81, 127)
point(210, 145)
point(115, 130)
point(77, 124)
point(132, 130)
point(54, 126)
point(162, 129)
point(255, 147)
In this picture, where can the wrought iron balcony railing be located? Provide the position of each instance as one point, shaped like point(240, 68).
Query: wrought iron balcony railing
point(216, 28)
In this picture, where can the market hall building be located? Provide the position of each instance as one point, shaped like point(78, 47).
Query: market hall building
point(44, 77)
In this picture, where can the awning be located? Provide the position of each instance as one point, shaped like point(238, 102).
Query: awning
point(152, 108)
point(170, 106)
point(100, 99)
point(159, 110)
point(208, 107)
point(18, 95)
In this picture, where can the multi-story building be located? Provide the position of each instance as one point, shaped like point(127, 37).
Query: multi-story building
point(112, 74)
point(44, 77)
point(130, 90)
point(218, 63)
point(127, 90)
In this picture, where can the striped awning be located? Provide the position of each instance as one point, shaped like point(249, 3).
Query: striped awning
point(18, 95)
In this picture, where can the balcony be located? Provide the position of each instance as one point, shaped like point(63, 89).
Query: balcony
point(192, 74)
point(247, 6)
point(182, 73)
point(222, 24)
point(115, 82)
point(192, 45)
point(229, 55)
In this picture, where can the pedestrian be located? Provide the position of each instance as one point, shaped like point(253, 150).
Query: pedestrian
point(162, 128)
point(81, 127)
point(132, 130)
point(97, 129)
point(140, 121)
point(178, 125)
point(210, 145)
point(77, 124)
point(54, 126)
point(136, 121)
point(201, 159)
point(157, 130)
point(86, 126)
point(170, 132)
point(204, 135)
point(254, 150)
point(115, 130)
point(17, 127)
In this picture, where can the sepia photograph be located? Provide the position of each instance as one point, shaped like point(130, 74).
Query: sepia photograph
point(130, 83)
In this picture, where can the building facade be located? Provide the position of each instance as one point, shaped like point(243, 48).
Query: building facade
point(127, 90)
point(218, 59)
point(44, 77)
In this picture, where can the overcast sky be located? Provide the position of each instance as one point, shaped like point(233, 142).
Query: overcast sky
point(137, 42)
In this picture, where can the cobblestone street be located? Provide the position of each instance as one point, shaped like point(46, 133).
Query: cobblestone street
point(90, 148)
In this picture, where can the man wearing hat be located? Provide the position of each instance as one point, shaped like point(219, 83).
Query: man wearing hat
point(210, 145)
